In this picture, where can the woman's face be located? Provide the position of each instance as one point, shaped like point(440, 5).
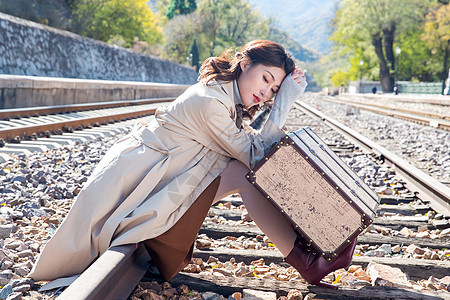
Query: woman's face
point(258, 83)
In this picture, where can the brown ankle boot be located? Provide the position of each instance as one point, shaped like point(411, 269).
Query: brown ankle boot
point(313, 267)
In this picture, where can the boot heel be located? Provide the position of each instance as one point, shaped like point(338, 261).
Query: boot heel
point(314, 267)
point(327, 285)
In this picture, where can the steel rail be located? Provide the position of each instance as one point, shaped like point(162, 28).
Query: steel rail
point(405, 110)
point(430, 190)
point(114, 275)
point(440, 100)
point(426, 118)
point(117, 272)
point(47, 110)
point(12, 133)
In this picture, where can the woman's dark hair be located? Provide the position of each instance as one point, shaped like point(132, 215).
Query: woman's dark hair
point(227, 68)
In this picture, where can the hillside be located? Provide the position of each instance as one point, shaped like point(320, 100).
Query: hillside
point(305, 40)
point(307, 21)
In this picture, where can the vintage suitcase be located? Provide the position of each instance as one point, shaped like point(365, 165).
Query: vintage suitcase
point(326, 202)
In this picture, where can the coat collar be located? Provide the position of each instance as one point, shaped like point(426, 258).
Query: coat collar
point(226, 89)
point(232, 98)
point(232, 90)
point(237, 94)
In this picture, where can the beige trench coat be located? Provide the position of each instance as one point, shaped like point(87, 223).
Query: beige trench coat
point(150, 177)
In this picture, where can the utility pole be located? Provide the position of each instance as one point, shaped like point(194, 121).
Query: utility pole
point(397, 51)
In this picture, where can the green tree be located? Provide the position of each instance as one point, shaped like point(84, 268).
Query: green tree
point(419, 60)
point(230, 23)
point(437, 35)
point(179, 33)
point(191, 6)
point(107, 20)
point(360, 24)
point(180, 7)
point(214, 25)
point(194, 55)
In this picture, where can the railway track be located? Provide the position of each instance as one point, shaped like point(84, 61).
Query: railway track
point(424, 185)
point(437, 120)
point(30, 123)
point(117, 273)
point(26, 130)
point(416, 195)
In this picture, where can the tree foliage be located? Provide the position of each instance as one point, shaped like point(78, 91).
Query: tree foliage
point(180, 7)
point(437, 34)
point(230, 23)
point(362, 25)
point(194, 55)
point(108, 19)
point(216, 25)
point(160, 10)
point(178, 34)
point(210, 28)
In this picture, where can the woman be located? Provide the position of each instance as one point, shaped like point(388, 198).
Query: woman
point(156, 184)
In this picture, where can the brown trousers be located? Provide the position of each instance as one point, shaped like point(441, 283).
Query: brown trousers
point(172, 250)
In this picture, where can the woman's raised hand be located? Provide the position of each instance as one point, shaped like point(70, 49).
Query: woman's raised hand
point(297, 75)
point(289, 91)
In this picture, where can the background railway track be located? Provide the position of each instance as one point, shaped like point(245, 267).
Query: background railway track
point(434, 119)
point(25, 126)
point(404, 208)
point(423, 184)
